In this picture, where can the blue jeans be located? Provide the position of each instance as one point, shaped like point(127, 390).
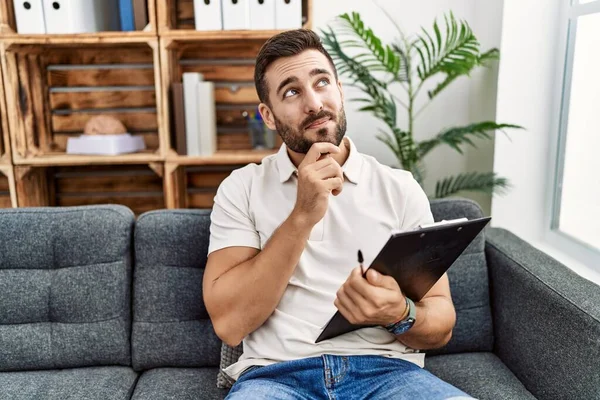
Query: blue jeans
point(343, 377)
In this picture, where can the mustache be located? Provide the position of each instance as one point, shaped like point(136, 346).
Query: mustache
point(315, 117)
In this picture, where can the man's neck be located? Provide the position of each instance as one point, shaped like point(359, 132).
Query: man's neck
point(340, 157)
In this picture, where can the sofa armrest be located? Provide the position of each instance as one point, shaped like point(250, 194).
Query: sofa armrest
point(546, 319)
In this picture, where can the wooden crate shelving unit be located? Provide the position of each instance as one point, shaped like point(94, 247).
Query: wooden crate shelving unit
point(55, 83)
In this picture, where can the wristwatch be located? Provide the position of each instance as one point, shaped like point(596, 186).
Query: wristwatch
point(402, 326)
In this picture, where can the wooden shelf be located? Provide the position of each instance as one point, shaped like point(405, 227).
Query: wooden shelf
point(190, 35)
point(99, 38)
point(72, 159)
point(223, 157)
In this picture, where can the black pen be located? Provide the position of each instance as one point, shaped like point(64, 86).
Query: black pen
point(360, 261)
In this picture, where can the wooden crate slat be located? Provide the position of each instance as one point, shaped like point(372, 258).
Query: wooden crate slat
point(84, 56)
point(2, 130)
point(34, 187)
point(40, 106)
point(4, 183)
point(102, 170)
point(60, 140)
point(243, 95)
point(185, 9)
point(234, 141)
point(222, 49)
point(222, 72)
point(107, 184)
point(7, 17)
point(133, 121)
point(101, 77)
point(186, 24)
point(201, 199)
point(28, 115)
point(5, 200)
point(137, 187)
point(207, 179)
point(138, 204)
point(103, 99)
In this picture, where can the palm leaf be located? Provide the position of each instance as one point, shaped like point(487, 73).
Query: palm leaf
point(482, 59)
point(492, 54)
point(404, 73)
point(456, 55)
point(348, 66)
point(454, 137)
point(403, 146)
point(376, 100)
point(380, 57)
point(485, 182)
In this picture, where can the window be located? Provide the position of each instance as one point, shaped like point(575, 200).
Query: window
point(576, 208)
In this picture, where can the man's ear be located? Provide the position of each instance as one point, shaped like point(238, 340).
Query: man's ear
point(267, 115)
point(339, 83)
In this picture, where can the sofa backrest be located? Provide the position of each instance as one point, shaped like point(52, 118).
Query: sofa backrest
point(65, 277)
point(171, 327)
point(468, 284)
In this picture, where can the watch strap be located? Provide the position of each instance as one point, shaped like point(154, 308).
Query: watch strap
point(405, 324)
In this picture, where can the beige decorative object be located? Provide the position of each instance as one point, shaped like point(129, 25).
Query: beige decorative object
point(104, 125)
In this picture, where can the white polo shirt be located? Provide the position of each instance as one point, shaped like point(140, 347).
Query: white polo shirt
point(254, 200)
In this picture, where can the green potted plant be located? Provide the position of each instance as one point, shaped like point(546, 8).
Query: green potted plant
point(444, 55)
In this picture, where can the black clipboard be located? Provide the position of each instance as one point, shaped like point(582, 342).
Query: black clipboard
point(417, 259)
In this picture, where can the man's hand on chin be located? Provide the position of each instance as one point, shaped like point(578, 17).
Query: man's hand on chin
point(376, 300)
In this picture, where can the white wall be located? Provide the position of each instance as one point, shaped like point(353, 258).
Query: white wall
point(466, 101)
point(529, 93)
point(526, 93)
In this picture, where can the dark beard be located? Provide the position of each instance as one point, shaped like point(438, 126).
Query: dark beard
point(294, 137)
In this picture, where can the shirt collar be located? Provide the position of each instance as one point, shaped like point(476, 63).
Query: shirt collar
point(351, 167)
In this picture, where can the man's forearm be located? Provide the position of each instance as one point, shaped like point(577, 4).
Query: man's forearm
point(249, 292)
point(433, 329)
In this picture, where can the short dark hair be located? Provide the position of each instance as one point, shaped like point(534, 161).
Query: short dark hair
point(285, 44)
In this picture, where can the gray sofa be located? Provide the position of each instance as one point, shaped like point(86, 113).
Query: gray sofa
point(96, 304)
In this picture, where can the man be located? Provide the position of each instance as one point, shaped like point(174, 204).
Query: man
point(283, 251)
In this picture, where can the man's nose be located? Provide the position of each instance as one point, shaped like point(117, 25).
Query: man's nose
point(313, 103)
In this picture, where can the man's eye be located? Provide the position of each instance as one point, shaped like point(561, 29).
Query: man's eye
point(290, 92)
point(322, 83)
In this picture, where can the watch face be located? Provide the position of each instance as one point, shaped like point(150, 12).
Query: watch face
point(403, 326)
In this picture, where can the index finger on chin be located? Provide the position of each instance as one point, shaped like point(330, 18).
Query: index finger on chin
point(317, 150)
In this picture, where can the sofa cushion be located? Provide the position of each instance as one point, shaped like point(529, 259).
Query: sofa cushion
point(178, 383)
point(101, 383)
point(65, 287)
point(482, 375)
point(229, 355)
point(468, 284)
point(171, 327)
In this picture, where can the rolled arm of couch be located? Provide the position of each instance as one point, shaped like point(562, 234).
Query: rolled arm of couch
point(546, 319)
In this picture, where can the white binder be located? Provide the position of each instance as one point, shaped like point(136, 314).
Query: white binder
point(208, 15)
point(236, 14)
point(262, 14)
point(29, 16)
point(288, 14)
point(207, 118)
point(191, 111)
point(80, 16)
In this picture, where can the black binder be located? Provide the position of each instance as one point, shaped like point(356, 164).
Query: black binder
point(417, 259)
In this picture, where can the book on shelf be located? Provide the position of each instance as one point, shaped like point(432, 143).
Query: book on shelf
point(178, 119)
point(200, 115)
